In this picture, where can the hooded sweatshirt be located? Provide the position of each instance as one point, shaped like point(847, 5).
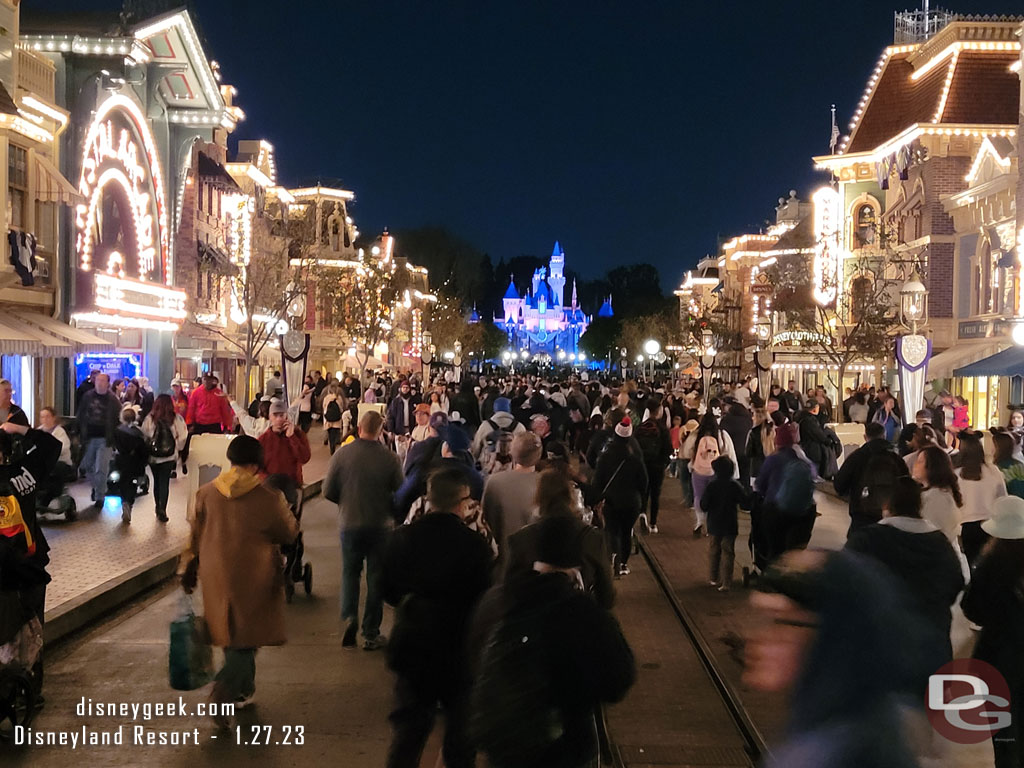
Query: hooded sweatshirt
point(921, 556)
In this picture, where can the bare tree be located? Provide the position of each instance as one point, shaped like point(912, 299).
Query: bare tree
point(857, 325)
point(260, 295)
point(358, 302)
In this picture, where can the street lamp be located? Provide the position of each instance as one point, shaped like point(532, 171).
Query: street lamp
point(652, 347)
point(914, 301)
point(764, 345)
point(913, 350)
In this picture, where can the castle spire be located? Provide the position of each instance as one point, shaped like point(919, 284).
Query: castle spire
point(574, 303)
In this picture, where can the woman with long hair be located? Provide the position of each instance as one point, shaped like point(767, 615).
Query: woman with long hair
point(760, 441)
point(1015, 427)
point(179, 397)
point(165, 433)
point(710, 443)
point(941, 499)
point(995, 601)
point(333, 426)
point(981, 484)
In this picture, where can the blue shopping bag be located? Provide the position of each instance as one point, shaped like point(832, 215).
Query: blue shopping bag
point(190, 657)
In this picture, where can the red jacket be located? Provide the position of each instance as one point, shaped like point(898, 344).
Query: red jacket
point(284, 455)
point(209, 407)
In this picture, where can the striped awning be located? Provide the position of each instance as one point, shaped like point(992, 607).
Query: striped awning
point(51, 186)
point(82, 340)
point(20, 338)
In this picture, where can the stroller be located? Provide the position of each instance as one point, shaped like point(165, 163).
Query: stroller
point(295, 571)
point(758, 541)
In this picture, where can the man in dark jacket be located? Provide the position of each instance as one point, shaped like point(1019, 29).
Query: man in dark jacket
point(400, 411)
point(656, 445)
point(98, 416)
point(868, 476)
point(603, 436)
point(813, 440)
point(585, 658)
point(737, 422)
point(920, 555)
point(435, 570)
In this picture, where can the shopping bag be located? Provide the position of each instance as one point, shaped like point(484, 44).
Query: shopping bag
point(190, 658)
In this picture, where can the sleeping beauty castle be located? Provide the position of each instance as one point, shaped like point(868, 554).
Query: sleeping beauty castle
point(540, 321)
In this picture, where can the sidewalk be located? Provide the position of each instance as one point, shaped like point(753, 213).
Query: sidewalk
point(98, 563)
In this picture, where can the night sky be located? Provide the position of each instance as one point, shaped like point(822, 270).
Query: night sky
point(638, 130)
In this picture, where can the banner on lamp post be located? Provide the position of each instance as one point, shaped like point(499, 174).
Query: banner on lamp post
point(912, 354)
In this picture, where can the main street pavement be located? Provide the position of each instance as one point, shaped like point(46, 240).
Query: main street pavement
point(341, 698)
point(97, 562)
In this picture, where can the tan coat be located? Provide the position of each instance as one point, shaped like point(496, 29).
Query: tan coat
point(238, 529)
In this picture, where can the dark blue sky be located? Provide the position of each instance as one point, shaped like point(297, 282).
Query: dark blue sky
point(637, 130)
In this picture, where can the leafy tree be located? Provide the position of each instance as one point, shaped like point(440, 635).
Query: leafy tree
point(637, 290)
point(455, 265)
point(601, 340)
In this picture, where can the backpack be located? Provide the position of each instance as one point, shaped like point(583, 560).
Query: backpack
point(494, 436)
point(12, 523)
point(515, 719)
point(649, 438)
point(501, 458)
point(879, 478)
point(332, 413)
point(162, 444)
point(708, 450)
point(796, 491)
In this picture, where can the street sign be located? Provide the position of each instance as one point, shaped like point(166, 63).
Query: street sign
point(762, 289)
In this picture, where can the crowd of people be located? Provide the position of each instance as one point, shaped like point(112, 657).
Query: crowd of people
point(495, 512)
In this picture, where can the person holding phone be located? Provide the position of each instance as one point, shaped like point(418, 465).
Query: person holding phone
point(285, 449)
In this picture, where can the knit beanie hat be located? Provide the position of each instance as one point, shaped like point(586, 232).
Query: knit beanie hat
point(784, 437)
point(624, 428)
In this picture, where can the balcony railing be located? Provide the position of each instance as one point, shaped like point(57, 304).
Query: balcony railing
point(36, 74)
point(917, 26)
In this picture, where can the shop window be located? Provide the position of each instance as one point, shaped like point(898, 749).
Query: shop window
point(202, 191)
point(17, 185)
point(209, 198)
point(46, 226)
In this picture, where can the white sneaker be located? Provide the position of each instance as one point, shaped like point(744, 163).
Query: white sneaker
point(644, 525)
point(654, 529)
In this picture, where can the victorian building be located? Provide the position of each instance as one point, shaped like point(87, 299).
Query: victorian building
point(947, 88)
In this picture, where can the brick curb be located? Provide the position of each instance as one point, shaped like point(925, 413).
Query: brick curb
point(75, 614)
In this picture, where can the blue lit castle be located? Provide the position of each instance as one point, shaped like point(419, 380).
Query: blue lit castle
point(540, 321)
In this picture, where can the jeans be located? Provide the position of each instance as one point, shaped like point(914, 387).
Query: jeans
point(655, 479)
point(96, 461)
point(721, 556)
point(333, 438)
point(161, 484)
point(357, 545)
point(237, 677)
point(412, 719)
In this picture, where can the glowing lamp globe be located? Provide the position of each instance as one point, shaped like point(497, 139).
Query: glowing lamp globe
point(652, 347)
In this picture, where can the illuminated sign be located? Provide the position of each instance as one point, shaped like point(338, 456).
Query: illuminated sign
point(796, 337)
point(122, 237)
point(826, 245)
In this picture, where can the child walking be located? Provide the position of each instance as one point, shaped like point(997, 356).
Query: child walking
point(721, 501)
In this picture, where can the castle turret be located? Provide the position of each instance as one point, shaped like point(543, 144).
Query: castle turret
point(557, 279)
point(511, 301)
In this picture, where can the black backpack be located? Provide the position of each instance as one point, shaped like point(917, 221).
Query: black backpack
point(649, 437)
point(162, 444)
point(515, 719)
point(494, 436)
point(332, 412)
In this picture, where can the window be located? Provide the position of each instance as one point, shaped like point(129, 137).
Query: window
point(202, 189)
point(860, 294)
point(866, 225)
point(17, 185)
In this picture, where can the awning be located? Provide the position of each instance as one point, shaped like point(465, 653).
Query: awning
point(20, 338)
point(1009, 362)
point(943, 364)
point(51, 186)
point(215, 257)
point(84, 342)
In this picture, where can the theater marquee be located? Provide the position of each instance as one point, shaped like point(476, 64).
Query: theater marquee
point(122, 240)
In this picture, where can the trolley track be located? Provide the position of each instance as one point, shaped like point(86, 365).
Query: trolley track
point(754, 744)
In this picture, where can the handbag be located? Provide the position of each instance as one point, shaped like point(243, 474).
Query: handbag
point(190, 657)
